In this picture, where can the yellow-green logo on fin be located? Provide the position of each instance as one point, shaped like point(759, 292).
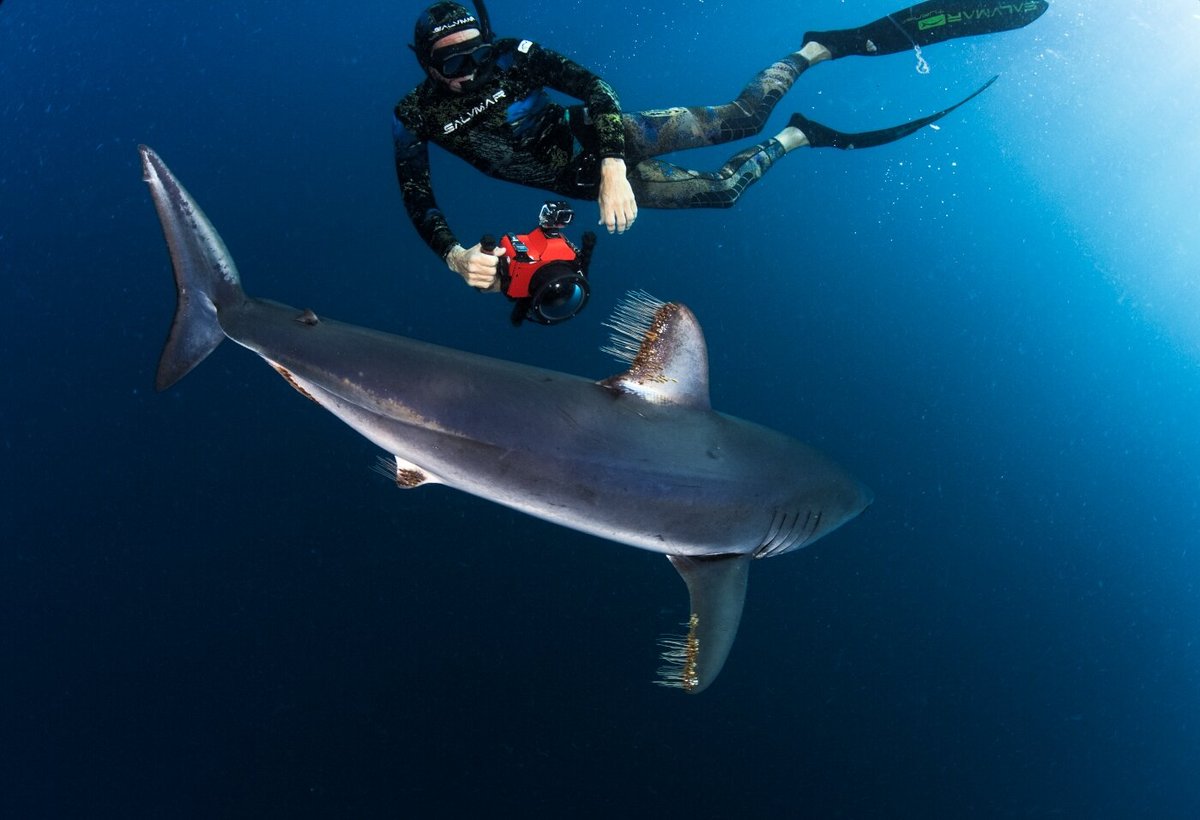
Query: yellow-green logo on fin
point(933, 21)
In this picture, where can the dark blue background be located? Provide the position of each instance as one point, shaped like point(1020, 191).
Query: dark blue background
point(209, 605)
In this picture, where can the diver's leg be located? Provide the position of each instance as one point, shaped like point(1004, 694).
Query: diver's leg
point(650, 133)
point(659, 184)
point(928, 23)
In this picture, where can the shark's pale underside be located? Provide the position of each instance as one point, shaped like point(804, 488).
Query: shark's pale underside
point(640, 458)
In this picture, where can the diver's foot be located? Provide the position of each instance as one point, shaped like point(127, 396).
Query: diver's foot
point(809, 133)
point(834, 44)
point(791, 137)
point(814, 52)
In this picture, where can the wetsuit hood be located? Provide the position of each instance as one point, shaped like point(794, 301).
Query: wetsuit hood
point(438, 21)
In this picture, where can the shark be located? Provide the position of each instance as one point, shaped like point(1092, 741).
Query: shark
point(640, 458)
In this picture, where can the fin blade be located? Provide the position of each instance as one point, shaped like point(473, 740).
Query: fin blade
point(936, 21)
point(822, 136)
point(717, 589)
point(924, 24)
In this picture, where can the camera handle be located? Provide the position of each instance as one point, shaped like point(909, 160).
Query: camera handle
point(585, 255)
point(487, 244)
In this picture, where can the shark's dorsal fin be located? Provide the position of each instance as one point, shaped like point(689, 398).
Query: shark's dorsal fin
point(717, 588)
point(664, 346)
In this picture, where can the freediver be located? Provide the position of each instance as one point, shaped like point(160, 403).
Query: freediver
point(484, 100)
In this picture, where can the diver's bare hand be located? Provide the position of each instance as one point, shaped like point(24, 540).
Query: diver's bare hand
point(477, 267)
point(618, 205)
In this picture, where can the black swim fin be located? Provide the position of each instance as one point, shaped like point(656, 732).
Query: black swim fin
point(928, 23)
point(822, 136)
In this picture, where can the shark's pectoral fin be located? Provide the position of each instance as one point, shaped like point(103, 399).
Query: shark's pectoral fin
point(406, 474)
point(717, 586)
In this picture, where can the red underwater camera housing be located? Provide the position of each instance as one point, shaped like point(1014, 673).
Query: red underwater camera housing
point(542, 271)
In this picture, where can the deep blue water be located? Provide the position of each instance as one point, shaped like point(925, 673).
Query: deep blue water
point(210, 606)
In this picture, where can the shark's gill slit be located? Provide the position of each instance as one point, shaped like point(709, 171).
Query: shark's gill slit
point(782, 534)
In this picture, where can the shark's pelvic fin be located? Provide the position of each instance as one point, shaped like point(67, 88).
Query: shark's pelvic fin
point(717, 587)
point(664, 345)
point(406, 474)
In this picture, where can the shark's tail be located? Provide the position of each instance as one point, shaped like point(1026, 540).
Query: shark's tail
point(205, 277)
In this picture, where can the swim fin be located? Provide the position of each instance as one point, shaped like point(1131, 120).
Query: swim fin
point(822, 136)
point(928, 23)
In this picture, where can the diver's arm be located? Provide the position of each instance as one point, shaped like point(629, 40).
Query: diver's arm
point(618, 205)
point(477, 267)
point(604, 108)
point(412, 172)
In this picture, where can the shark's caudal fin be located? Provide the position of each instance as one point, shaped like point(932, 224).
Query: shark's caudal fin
point(717, 587)
point(205, 277)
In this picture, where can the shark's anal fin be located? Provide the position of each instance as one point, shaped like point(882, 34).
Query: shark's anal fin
point(665, 348)
point(717, 587)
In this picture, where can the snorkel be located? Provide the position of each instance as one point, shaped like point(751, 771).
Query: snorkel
point(485, 23)
point(483, 72)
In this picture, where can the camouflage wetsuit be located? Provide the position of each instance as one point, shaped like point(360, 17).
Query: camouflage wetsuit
point(510, 129)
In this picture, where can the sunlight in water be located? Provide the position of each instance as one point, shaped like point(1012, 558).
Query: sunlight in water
point(1128, 185)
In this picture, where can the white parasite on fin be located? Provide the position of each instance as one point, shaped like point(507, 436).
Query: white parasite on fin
point(631, 320)
point(679, 657)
